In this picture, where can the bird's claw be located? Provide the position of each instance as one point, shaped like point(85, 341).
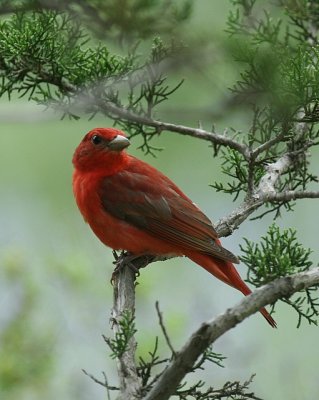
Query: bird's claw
point(122, 260)
point(133, 261)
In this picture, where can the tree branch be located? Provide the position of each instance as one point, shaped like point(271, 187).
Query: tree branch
point(161, 322)
point(210, 331)
point(274, 171)
point(112, 110)
point(226, 225)
point(267, 145)
point(124, 299)
point(292, 195)
point(184, 130)
point(265, 192)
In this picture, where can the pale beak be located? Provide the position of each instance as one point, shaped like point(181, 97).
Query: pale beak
point(119, 143)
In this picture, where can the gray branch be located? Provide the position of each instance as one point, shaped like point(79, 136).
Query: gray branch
point(265, 192)
point(210, 331)
point(124, 299)
point(226, 226)
point(293, 195)
point(198, 133)
point(112, 110)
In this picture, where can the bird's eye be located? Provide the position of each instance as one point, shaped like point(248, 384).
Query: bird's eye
point(96, 139)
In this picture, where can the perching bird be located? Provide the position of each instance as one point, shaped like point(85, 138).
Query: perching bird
point(132, 206)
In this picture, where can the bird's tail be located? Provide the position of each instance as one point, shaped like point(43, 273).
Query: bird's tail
point(226, 272)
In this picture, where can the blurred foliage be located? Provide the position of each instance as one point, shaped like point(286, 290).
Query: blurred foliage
point(276, 255)
point(26, 352)
point(121, 20)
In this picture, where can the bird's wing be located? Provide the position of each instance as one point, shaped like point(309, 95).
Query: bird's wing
point(153, 203)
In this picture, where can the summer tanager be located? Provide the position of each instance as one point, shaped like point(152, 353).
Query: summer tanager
point(132, 206)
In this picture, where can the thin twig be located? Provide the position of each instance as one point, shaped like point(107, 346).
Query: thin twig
point(184, 130)
point(162, 325)
point(267, 145)
point(112, 110)
point(104, 384)
point(107, 387)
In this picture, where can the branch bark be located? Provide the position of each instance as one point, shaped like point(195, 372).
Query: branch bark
point(210, 331)
point(124, 299)
point(265, 192)
point(198, 133)
point(112, 110)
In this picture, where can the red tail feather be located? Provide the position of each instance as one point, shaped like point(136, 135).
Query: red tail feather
point(226, 272)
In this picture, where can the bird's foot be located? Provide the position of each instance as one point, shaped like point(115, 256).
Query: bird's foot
point(133, 261)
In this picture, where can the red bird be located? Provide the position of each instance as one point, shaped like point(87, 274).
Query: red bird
point(132, 206)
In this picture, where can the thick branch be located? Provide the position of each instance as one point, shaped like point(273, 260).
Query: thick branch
point(265, 189)
point(293, 195)
point(209, 332)
point(225, 226)
point(274, 171)
point(124, 299)
point(265, 192)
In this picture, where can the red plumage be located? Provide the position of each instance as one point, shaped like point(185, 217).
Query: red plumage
point(132, 206)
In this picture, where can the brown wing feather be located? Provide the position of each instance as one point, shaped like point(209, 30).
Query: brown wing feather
point(162, 210)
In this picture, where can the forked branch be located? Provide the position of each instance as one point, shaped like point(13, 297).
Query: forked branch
point(210, 331)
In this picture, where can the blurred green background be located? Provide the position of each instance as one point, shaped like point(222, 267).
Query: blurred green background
point(55, 295)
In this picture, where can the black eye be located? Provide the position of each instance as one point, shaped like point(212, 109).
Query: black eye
point(96, 139)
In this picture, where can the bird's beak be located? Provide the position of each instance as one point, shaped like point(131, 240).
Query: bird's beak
point(119, 143)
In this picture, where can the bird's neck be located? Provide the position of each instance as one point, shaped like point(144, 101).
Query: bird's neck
point(115, 162)
point(107, 165)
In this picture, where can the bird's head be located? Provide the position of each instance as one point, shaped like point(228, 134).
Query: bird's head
point(100, 147)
